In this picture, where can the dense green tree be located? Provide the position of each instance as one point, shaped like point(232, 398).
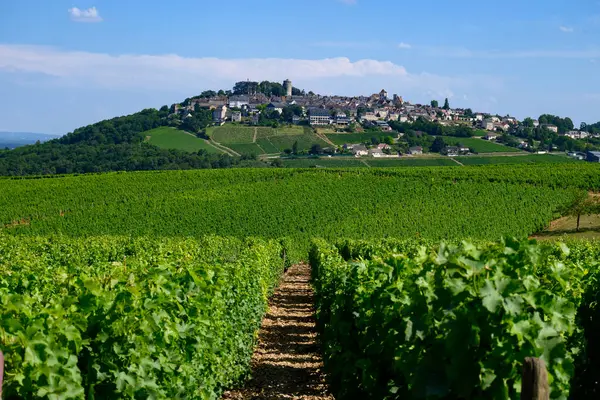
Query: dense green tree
point(528, 122)
point(208, 93)
point(316, 149)
point(438, 145)
point(434, 104)
point(295, 147)
point(563, 124)
point(446, 104)
point(290, 111)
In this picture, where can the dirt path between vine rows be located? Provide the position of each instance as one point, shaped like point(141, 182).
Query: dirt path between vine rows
point(287, 362)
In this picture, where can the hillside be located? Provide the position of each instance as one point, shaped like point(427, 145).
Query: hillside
point(112, 145)
point(171, 138)
point(265, 140)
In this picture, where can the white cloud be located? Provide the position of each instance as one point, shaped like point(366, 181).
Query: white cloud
point(89, 15)
point(566, 29)
point(189, 76)
point(70, 64)
point(403, 45)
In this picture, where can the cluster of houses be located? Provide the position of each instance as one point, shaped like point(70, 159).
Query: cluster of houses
point(376, 110)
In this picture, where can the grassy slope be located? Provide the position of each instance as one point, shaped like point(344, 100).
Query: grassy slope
point(231, 134)
point(351, 138)
point(240, 138)
point(171, 138)
point(480, 145)
point(566, 228)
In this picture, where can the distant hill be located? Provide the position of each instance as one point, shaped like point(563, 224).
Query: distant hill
point(17, 139)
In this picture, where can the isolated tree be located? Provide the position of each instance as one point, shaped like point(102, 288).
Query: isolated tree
point(437, 145)
point(584, 205)
point(434, 104)
point(446, 104)
point(295, 147)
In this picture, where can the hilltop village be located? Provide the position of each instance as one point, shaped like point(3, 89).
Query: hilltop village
point(273, 105)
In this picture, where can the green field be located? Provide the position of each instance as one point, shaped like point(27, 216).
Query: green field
point(352, 138)
point(305, 141)
point(231, 134)
point(525, 159)
point(267, 146)
point(246, 148)
point(241, 138)
point(171, 138)
point(479, 145)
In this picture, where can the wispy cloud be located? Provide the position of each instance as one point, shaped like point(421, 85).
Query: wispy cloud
point(461, 52)
point(173, 72)
point(403, 45)
point(566, 29)
point(88, 15)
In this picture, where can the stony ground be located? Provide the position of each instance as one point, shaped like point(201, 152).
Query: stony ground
point(287, 362)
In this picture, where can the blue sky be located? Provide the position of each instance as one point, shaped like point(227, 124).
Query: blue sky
point(64, 64)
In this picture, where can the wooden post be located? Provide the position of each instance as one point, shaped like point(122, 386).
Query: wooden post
point(1, 372)
point(534, 385)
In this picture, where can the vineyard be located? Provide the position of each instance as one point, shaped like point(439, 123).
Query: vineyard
point(131, 318)
point(434, 203)
point(154, 284)
point(262, 140)
point(404, 321)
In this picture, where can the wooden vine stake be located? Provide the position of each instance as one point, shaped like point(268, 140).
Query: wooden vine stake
point(534, 385)
point(1, 372)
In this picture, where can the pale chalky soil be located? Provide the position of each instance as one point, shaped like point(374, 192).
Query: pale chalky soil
point(287, 363)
